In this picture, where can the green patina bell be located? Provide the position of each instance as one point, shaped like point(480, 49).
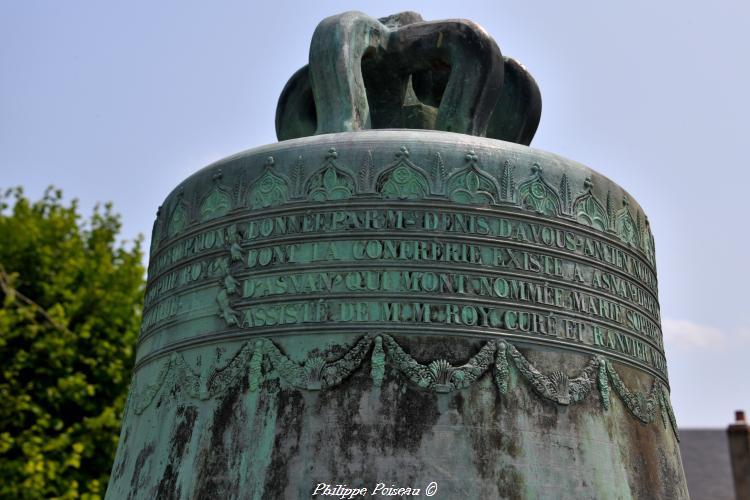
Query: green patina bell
point(400, 294)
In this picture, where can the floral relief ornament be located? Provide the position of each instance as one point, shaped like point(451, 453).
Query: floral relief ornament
point(270, 190)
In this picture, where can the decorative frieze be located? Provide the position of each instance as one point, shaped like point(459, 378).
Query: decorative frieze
point(404, 180)
point(261, 360)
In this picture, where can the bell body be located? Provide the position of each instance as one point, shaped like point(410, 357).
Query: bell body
point(399, 309)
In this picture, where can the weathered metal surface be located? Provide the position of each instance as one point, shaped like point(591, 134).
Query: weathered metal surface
point(403, 72)
point(401, 307)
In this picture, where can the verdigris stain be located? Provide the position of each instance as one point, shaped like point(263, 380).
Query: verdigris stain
point(401, 292)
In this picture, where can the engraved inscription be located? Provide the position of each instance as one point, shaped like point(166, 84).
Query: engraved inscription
point(497, 272)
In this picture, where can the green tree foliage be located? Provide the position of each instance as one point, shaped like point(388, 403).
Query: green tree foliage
point(71, 298)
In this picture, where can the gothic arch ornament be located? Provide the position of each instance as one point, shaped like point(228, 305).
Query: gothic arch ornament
point(403, 180)
point(588, 210)
point(626, 226)
point(538, 195)
point(472, 185)
point(647, 242)
point(270, 189)
point(217, 202)
point(178, 218)
point(330, 182)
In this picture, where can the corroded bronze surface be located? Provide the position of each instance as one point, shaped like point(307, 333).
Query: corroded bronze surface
point(403, 72)
point(403, 307)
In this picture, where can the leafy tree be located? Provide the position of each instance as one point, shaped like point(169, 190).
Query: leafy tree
point(71, 298)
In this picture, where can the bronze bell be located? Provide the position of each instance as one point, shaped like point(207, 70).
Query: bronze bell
point(401, 296)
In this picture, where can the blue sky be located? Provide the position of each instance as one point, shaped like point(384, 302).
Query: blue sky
point(120, 102)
